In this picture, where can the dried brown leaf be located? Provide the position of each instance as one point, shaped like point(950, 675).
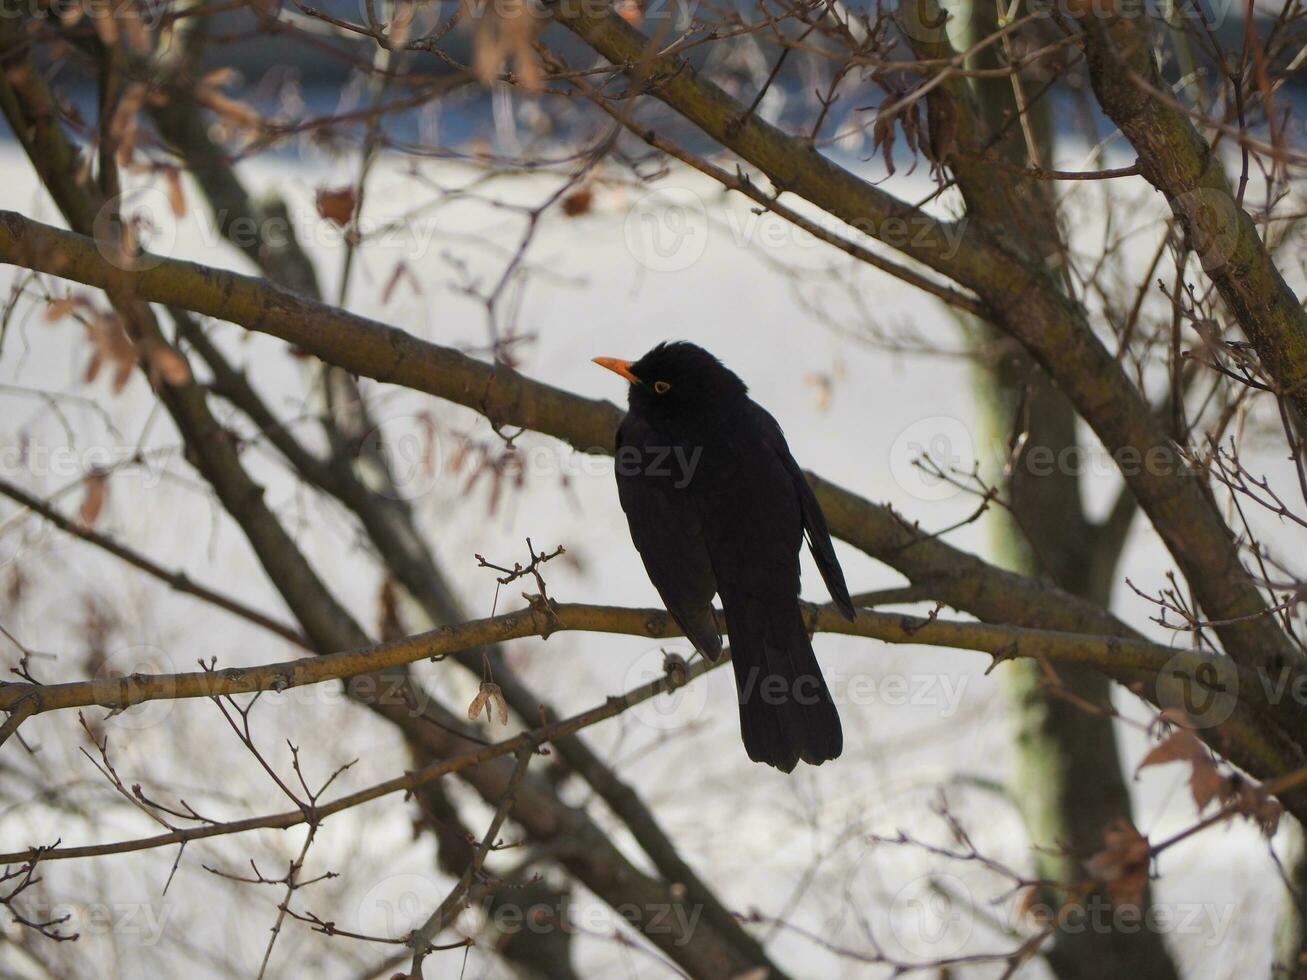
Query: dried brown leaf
point(1206, 783)
point(578, 202)
point(176, 198)
point(337, 204)
point(218, 78)
point(123, 125)
point(105, 27)
point(882, 132)
point(389, 624)
point(57, 309)
point(825, 385)
point(1180, 746)
point(901, 109)
point(943, 142)
point(1205, 780)
point(110, 346)
point(490, 699)
point(232, 111)
point(478, 704)
point(497, 696)
point(1252, 801)
point(506, 31)
point(1122, 864)
point(165, 364)
point(97, 492)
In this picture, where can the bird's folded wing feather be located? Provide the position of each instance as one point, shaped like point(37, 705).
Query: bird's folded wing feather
point(667, 532)
point(814, 521)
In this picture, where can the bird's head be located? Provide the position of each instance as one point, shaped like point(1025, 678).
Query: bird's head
point(677, 378)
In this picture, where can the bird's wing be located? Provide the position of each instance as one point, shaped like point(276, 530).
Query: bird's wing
point(666, 531)
point(814, 521)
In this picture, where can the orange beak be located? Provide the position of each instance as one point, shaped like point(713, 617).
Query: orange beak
point(618, 366)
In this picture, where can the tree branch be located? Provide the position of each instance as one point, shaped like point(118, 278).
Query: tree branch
point(1001, 642)
point(1179, 162)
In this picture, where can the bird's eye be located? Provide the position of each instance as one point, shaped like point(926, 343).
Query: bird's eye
point(661, 387)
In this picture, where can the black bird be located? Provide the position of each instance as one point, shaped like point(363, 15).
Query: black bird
point(716, 504)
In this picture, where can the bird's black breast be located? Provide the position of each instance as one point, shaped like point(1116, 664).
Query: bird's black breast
point(716, 488)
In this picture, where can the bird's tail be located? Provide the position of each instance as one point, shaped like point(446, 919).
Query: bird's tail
point(786, 710)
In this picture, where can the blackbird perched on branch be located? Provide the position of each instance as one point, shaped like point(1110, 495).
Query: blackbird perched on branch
point(716, 504)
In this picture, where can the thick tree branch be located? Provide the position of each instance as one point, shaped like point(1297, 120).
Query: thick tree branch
point(1001, 642)
point(1179, 162)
